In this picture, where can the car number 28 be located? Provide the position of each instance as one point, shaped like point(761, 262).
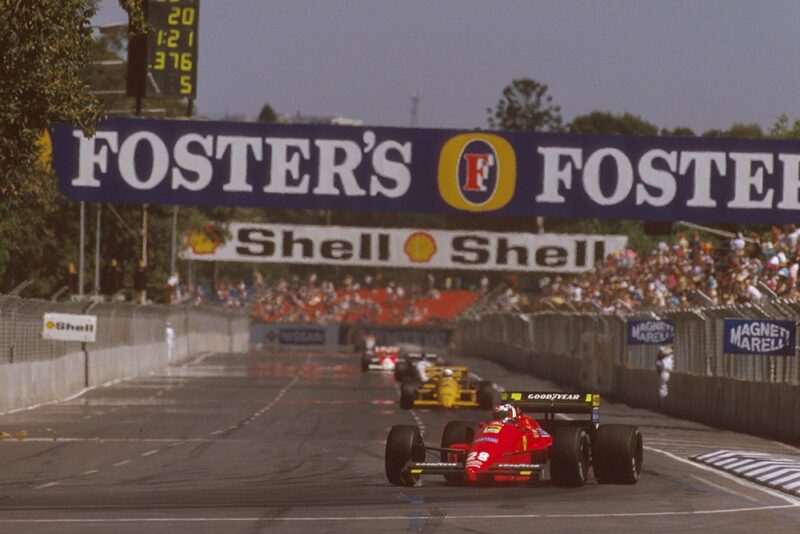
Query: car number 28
point(482, 457)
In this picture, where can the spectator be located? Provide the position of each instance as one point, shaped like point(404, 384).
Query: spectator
point(664, 365)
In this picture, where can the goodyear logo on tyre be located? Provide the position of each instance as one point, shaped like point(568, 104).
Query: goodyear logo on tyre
point(477, 172)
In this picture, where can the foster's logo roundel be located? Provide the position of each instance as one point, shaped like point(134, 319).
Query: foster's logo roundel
point(477, 172)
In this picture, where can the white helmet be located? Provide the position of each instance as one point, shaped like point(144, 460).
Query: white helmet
point(504, 412)
point(447, 372)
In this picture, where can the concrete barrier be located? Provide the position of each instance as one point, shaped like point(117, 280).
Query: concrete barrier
point(134, 341)
point(29, 383)
point(761, 408)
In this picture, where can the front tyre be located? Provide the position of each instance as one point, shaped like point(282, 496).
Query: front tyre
point(404, 444)
point(617, 454)
point(408, 392)
point(456, 432)
point(570, 457)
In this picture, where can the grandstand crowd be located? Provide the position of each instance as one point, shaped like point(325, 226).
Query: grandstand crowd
point(690, 272)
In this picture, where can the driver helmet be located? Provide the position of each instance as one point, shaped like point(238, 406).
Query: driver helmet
point(447, 372)
point(504, 412)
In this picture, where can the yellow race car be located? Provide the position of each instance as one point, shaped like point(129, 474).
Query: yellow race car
point(449, 387)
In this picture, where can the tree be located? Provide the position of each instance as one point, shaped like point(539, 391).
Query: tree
point(738, 129)
point(525, 106)
point(605, 122)
point(267, 114)
point(782, 130)
point(45, 46)
point(678, 131)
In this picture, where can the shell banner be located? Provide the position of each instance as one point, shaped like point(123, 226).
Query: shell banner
point(401, 247)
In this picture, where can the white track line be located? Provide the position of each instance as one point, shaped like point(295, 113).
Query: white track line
point(266, 408)
point(489, 517)
point(46, 485)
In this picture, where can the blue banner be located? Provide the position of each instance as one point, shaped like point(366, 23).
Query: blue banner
point(650, 332)
point(296, 166)
point(760, 336)
point(301, 336)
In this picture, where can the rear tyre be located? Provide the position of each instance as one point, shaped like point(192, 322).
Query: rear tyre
point(400, 370)
point(456, 432)
point(364, 364)
point(570, 457)
point(617, 454)
point(486, 395)
point(408, 392)
point(403, 444)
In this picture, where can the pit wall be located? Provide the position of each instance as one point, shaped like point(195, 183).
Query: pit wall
point(590, 353)
point(131, 341)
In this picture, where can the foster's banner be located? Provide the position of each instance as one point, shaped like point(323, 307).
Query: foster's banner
point(403, 247)
point(297, 166)
point(650, 332)
point(760, 336)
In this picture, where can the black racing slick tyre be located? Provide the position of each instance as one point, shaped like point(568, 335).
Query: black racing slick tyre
point(364, 364)
point(408, 392)
point(617, 454)
point(403, 444)
point(570, 457)
point(486, 395)
point(456, 432)
point(400, 370)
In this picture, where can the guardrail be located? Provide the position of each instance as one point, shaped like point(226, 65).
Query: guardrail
point(748, 392)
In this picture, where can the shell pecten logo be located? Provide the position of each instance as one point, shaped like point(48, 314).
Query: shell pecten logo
point(200, 243)
point(420, 247)
point(50, 325)
point(477, 172)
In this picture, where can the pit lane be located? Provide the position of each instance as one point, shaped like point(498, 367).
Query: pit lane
point(291, 442)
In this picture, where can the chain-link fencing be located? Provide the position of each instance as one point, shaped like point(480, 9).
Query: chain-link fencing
point(119, 324)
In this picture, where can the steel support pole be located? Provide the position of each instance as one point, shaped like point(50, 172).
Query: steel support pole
point(97, 235)
point(81, 246)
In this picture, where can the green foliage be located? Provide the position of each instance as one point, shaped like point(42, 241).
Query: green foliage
point(678, 131)
point(781, 129)
point(267, 114)
point(45, 44)
point(525, 106)
point(738, 129)
point(604, 122)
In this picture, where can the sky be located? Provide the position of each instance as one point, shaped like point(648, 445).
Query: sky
point(701, 64)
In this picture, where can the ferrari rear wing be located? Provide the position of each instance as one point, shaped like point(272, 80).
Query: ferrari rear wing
point(555, 402)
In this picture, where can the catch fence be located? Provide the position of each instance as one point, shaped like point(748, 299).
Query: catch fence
point(118, 324)
point(698, 339)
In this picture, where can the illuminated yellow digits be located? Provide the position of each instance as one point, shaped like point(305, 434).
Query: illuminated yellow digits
point(186, 61)
point(172, 40)
point(187, 17)
point(174, 17)
point(186, 84)
point(160, 61)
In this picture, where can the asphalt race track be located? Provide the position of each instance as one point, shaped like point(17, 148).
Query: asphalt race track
point(293, 442)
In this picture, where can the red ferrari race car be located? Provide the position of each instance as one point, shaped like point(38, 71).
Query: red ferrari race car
point(515, 447)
